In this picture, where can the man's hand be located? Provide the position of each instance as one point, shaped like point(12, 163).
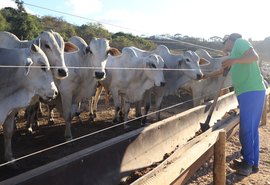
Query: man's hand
point(228, 63)
point(213, 74)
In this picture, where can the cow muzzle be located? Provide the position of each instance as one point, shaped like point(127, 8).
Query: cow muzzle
point(159, 84)
point(62, 73)
point(99, 75)
point(162, 84)
point(199, 76)
point(53, 93)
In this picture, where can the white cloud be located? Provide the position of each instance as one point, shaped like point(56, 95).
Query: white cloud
point(7, 3)
point(84, 8)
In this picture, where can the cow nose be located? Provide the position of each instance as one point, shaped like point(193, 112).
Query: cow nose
point(55, 93)
point(99, 75)
point(199, 76)
point(162, 84)
point(62, 72)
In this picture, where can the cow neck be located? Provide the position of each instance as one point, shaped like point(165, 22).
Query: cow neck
point(14, 101)
point(139, 86)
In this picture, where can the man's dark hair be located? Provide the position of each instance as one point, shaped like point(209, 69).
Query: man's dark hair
point(233, 37)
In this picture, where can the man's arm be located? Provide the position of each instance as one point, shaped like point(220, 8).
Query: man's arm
point(248, 57)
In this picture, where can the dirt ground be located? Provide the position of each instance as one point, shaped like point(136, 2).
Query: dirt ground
point(46, 135)
point(49, 135)
point(205, 175)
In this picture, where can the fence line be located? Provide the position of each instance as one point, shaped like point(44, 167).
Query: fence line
point(70, 67)
point(96, 132)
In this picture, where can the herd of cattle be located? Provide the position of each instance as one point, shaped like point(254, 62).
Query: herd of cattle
point(65, 75)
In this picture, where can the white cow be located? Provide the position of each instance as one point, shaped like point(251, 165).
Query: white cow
point(130, 75)
point(180, 70)
point(206, 89)
point(50, 42)
point(28, 76)
point(265, 69)
point(86, 67)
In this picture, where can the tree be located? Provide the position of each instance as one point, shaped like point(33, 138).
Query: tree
point(121, 39)
point(3, 23)
point(90, 30)
point(24, 26)
point(21, 9)
point(65, 29)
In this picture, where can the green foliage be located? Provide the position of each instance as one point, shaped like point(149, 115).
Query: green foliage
point(65, 29)
point(3, 23)
point(120, 40)
point(21, 24)
point(20, 6)
point(90, 30)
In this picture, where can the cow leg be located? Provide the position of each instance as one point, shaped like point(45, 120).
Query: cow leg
point(40, 110)
point(91, 107)
point(94, 102)
point(107, 97)
point(8, 128)
point(66, 107)
point(127, 108)
point(158, 101)
point(122, 109)
point(138, 109)
point(117, 107)
point(32, 116)
point(51, 114)
point(68, 135)
point(146, 110)
point(147, 103)
point(67, 118)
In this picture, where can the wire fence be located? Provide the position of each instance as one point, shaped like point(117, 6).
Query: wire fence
point(101, 130)
point(112, 68)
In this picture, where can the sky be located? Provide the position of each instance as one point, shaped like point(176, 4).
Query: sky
point(196, 18)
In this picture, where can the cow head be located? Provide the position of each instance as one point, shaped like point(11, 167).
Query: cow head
point(100, 49)
point(54, 47)
point(38, 73)
point(191, 66)
point(154, 65)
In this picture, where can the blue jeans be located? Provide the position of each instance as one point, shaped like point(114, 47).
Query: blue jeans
point(251, 107)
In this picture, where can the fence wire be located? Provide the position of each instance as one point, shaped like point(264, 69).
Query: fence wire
point(112, 68)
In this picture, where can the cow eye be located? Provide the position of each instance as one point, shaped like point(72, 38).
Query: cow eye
point(88, 50)
point(153, 66)
point(47, 46)
point(43, 67)
point(187, 60)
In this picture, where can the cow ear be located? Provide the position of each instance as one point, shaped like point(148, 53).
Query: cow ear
point(28, 64)
point(34, 48)
point(114, 52)
point(203, 61)
point(69, 47)
point(37, 42)
point(88, 50)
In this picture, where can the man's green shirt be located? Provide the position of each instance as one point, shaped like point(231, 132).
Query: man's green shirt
point(245, 77)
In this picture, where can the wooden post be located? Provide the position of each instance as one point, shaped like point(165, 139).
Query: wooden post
point(265, 110)
point(219, 170)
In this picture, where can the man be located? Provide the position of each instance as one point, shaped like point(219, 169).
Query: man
point(250, 90)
